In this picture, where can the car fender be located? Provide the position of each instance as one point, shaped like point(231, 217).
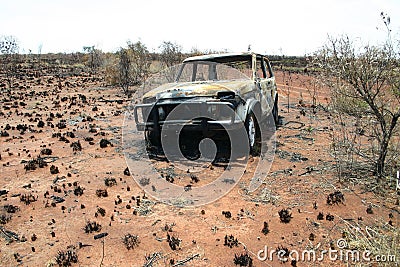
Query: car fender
point(253, 105)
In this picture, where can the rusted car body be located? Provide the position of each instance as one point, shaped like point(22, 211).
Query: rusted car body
point(209, 94)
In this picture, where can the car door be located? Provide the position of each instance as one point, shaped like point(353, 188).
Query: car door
point(266, 83)
point(270, 83)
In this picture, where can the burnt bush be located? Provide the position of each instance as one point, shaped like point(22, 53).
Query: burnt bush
point(61, 124)
point(67, 257)
point(100, 211)
point(243, 260)
point(40, 124)
point(33, 164)
point(27, 198)
point(4, 218)
point(285, 216)
point(54, 169)
point(46, 151)
point(230, 241)
point(70, 134)
point(110, 182)
point(336, 197)
point(78, 190)
point(101, 193)
point(369, 210)
point(265, 229)
point(10, 208)
point(227, 214)
point(131, 241)
point(91, 227)
point(76, 146)
point(173, 242)
point(330, 217)
point(89, 139)
point(104, 143)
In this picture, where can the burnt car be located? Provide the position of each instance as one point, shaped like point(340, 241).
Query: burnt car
point(207, 96)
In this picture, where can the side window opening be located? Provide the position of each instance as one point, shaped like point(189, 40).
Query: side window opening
point(267, 67)
point(260, 69)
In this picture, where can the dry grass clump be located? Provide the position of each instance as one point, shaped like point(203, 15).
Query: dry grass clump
point(381, 240)
point(264, 195)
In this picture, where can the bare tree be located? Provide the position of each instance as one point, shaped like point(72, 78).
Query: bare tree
point(140, 62)
point(196, 52)
point(365, 83)
point(9, 49)
point(170, 54)
point(124, 70)
point(133, 66)
point(95, 59)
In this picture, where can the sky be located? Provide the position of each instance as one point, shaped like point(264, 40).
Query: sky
point(279, 27)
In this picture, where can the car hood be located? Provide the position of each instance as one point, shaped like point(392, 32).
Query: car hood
point(201, 88)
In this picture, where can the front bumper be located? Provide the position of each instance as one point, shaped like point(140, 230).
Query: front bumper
point(192, 115)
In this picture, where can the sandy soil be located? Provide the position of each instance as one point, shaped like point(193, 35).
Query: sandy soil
point(78, 113)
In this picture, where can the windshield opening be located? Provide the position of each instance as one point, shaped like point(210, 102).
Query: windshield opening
point(211, 71)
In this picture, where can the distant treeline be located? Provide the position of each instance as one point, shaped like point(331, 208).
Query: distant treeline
point(290, 63)
point(278, 61)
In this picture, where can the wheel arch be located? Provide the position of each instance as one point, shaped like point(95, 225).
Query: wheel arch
point(255, 107)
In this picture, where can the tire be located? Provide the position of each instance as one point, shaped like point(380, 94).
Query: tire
point(253, 134)
point(152, 139)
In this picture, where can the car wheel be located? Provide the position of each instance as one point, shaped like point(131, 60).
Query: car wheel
point(152, 139)
point(253, 134)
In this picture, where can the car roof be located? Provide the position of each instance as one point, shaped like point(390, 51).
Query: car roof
point(223, 57)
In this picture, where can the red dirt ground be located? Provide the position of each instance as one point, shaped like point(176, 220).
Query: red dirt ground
point(299, 182)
